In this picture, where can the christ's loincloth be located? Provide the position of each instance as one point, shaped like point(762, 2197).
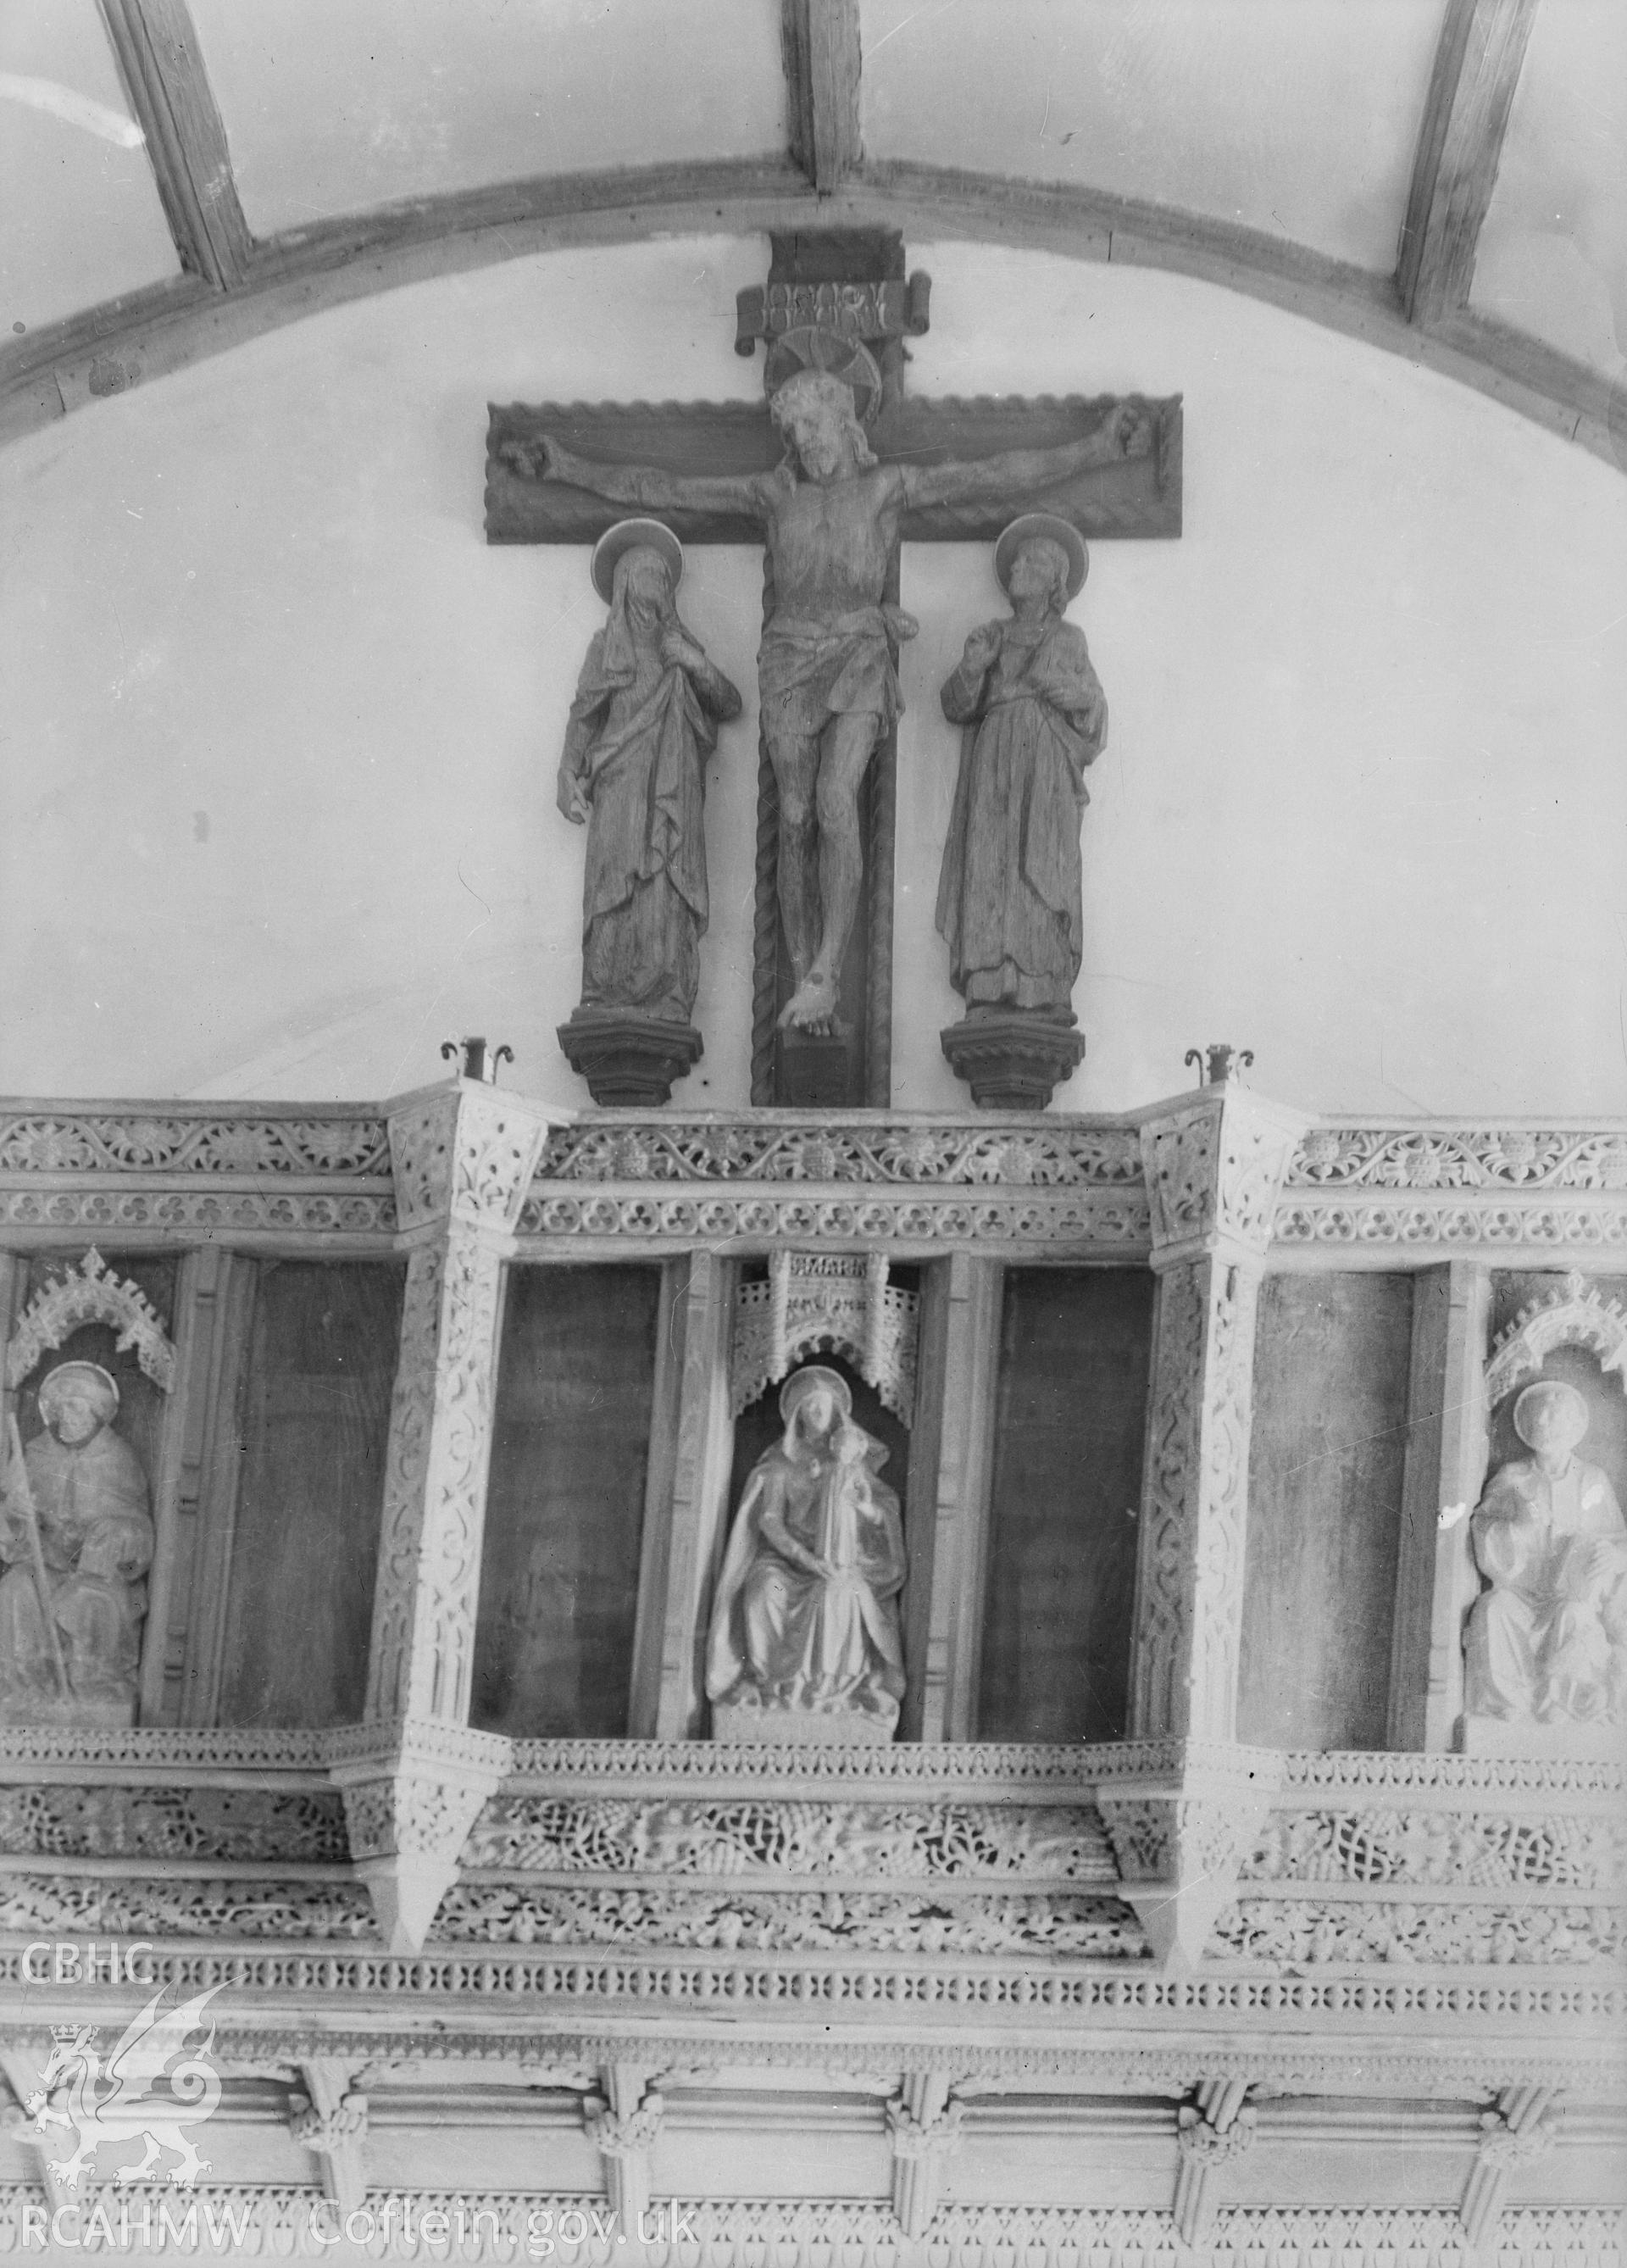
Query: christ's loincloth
point(809, 672)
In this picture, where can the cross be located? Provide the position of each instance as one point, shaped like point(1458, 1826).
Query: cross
point(828, 294)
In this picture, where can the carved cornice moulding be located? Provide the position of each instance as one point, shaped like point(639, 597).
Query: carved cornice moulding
point(863, 2233)
point(1568, 2016)
point(137, 1173)
point(980, 1771)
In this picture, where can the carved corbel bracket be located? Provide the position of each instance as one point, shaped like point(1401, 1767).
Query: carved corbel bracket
point(923, 2124)
point(329, 2118)
point(1214, 1163)
point(1210, 2132)
point(1181, 1838)
point(412, 1792)
point(1525, 2124)
point(624, 2122)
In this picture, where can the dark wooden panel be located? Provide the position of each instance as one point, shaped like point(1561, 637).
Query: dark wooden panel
point(1138, 497)
point(1605, 1442)
point(1332, 1359)
point(564, 1507)
point(1070, 1414)
point(316, 1417)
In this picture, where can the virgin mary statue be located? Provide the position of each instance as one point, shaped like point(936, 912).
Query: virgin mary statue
point(805, 1622)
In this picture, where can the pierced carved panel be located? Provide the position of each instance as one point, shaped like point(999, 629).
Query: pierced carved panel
point(759, 1836)
point(1440, 1848)
point(79, 1905)
point(1447, 1936)
point(833, 1921)
point(184, 1822)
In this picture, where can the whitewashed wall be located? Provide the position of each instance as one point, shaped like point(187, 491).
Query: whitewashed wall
point(277, 730)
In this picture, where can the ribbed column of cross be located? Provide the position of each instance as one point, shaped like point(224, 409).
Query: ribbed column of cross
point(413, 1775)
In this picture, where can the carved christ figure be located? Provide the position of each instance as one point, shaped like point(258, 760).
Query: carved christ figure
point(830, 515)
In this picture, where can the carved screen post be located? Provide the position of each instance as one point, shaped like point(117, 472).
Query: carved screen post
point(463, 1156)
point(1214, 1166)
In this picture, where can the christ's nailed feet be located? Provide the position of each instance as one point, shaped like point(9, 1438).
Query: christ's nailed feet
point(812, 1007)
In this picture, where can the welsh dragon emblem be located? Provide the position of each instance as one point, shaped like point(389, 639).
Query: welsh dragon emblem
point(116, 2101)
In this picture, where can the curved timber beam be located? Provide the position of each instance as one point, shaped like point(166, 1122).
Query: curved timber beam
point(303, 272)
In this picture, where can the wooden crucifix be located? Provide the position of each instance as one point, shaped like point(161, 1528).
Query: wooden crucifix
point(830, 476)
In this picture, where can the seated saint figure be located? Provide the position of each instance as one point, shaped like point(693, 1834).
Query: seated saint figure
point(643, 722)
point(1548, 1642)
point(1010, 896)
point(806, 1614)
point(95, 1544)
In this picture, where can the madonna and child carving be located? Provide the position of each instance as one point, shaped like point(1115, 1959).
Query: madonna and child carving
point(1547, 1641)
point(643, 721)
point(77, 1539)
point(805, 1639)
point(830, 514)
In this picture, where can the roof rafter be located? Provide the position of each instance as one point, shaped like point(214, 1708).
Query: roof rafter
point(819, 42)
point(129, 341)
point(158, 58)
point(1471, 90)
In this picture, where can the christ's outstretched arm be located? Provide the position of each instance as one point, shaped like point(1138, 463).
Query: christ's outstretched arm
point(649, 488)
point(1130, 431)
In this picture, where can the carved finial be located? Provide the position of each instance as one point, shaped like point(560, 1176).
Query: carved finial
point(474, 1059)
point(1224, 1062)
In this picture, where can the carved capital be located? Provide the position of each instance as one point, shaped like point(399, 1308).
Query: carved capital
point(1196, 2137)
point(326, 2134)
point(914, 2138)
point(1503, 2144)
point(623, 2122)
point(464, 1152)
point(1214, 1166)
point(631, 2136)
